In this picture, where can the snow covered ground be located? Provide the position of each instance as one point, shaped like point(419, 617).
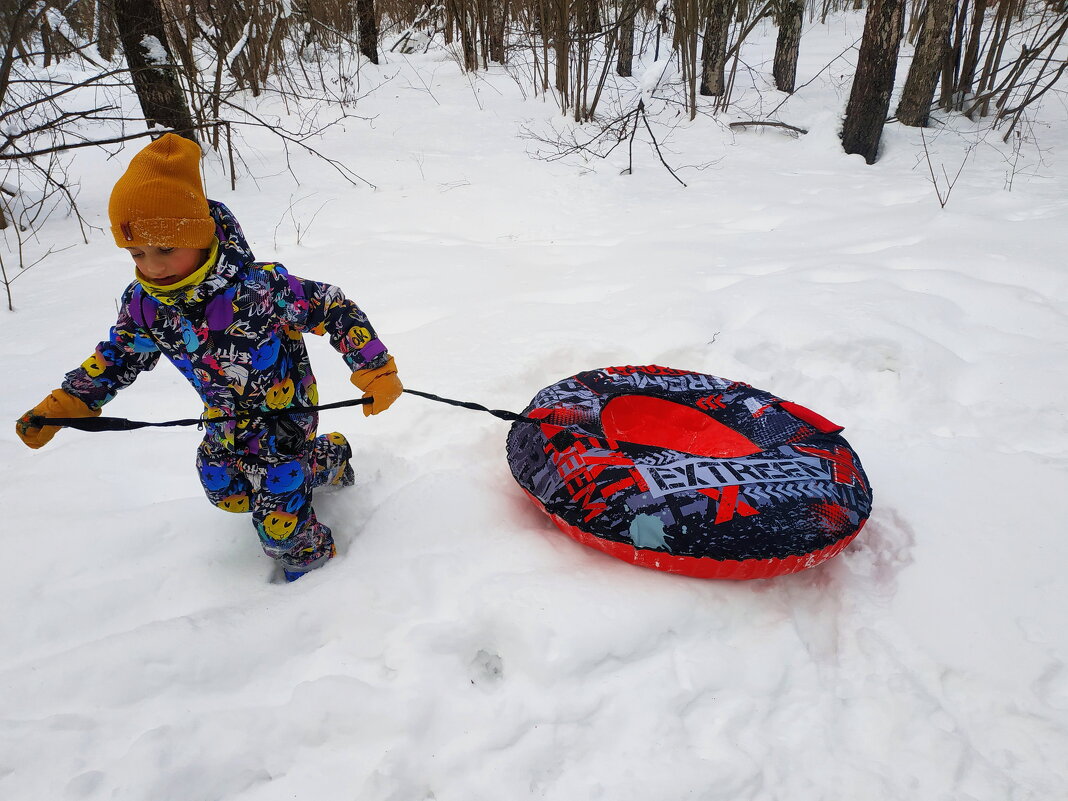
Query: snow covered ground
point(460, 648)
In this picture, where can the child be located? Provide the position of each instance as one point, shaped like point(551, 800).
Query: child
point(234, 328)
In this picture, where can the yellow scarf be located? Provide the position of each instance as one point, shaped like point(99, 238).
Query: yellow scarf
point(171, 292)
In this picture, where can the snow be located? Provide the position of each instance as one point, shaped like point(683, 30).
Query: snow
point(242, 40)
point(155, 52)
point(460, 647)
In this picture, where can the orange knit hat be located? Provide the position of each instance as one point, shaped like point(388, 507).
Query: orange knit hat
point(159, 201)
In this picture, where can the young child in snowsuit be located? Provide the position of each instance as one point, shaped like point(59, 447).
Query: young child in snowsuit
point(234, 328)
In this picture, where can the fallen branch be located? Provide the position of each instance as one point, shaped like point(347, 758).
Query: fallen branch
point(770, 124)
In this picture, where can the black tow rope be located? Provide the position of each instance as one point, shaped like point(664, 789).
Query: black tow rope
point(503, 414)
point(122, 424)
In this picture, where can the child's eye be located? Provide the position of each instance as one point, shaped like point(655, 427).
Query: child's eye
point(166, 250)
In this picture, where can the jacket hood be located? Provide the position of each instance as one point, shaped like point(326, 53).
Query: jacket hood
point(231, 238)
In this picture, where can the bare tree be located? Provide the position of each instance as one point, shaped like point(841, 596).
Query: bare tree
point(367, 29)
point(714, 51)
point(684, 42)
point(625, 63)
point(148, 56)
point(966, 77)
point(931, 52)
point(498, 29)
point(790, 16)
point(869, 99)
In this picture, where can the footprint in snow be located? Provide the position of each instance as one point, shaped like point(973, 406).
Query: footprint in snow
point(486, 668)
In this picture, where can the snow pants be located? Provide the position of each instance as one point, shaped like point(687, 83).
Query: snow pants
point(278, 493)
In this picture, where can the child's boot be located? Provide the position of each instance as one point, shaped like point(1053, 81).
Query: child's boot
point(292, 574)
point(321, 551)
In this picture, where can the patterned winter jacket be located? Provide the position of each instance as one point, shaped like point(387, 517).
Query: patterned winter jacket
point(237, 336)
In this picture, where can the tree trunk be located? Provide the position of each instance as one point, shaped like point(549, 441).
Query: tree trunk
point(46, 43)
point(951, 66)
point(873, 83)
point(625, 62)
point(971, 53)
point(367, 29)
point(714, 52)
point(589, 14)
point(791, 15)
point(918, 95)
point(498, 22)
point(917, 12)
point(347, 17)
point(561, 37)
point(155, 80)
point(994, 52)
point(468, 26)
point(105, 33)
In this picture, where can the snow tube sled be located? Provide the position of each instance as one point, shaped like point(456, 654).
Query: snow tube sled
point(690, 473)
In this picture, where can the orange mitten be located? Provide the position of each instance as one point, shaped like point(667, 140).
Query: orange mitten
point(381, 385)
point(59, 403)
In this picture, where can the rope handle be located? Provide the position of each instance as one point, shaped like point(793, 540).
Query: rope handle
point(122, 424)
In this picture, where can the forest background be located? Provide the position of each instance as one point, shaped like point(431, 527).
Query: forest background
point(191, 65)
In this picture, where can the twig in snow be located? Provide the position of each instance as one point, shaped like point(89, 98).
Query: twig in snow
point(814, 77)
point(621, 128)
point(950, 182)
point(645, 119)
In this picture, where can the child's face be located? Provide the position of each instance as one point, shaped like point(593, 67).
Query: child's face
point(165, 266)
